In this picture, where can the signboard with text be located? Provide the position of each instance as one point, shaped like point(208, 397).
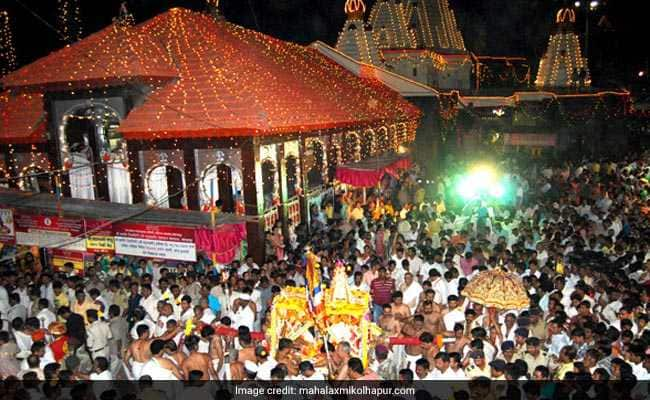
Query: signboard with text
point(7, 229)
point(49, 232)
point(155, 241)
point(100, 238)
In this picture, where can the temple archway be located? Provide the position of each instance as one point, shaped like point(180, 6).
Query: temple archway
point(269, 182)
point(166, 186)
point(95, 153)
point(220, 181)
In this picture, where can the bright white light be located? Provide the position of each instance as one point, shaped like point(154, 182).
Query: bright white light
point(641, 74)
point(593, 4)
point(498, 112)
point(577, 4)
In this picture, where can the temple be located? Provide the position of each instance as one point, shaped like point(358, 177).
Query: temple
point(563, 65)
point(186, 109)
point(418, 39)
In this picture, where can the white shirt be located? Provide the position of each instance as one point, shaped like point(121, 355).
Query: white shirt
point(150, 305)
point(47, 358)
point(98, 335)
point(146, 321)
point(244, 317)
point(441, 290)
point(46, 317)
point(411, 295)
point(415, 264)
point(16, 311)
point(264, 369)
point(4, 301)
point(453, 317)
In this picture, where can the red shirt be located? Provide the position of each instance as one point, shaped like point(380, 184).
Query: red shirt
point(382, 290)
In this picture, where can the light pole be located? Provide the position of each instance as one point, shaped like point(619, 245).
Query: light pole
point(589, 6)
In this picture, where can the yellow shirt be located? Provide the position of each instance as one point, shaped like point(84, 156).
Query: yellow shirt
point(83, 307)
point(356, 214)
point(564, 368)
point(440, 207)
point(61, 300)
point(329, 211)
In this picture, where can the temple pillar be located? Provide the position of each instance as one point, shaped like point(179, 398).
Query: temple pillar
point(191, 177)
point(251, 175)
point(137, 182)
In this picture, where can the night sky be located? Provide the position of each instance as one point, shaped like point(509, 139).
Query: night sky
point(489, 27)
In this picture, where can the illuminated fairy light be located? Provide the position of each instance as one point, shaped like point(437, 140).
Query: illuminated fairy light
point(211, 74)
point(7, 49)
point(69, 20)
point(563, 55)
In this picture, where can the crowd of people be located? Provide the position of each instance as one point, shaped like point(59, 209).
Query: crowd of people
point(575, 232)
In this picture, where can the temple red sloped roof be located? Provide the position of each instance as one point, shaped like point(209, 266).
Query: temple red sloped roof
point(22, 118)
point(212, 78)
point(112, 56)
point(238, 82)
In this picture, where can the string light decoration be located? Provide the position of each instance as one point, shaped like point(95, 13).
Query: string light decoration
point(7, 49)
point(408, 34)
point(389, 25)
point(434, 25)
point(356, 39)
point(214, 80)
point(563, 63)
point(22, 118)
point(69, 20)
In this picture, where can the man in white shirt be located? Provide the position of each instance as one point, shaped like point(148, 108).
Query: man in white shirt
point(415, 262)
point(439, 286)
point(358, 283)
point(307, 372)
point(101, 376)
point(16, 309)
point(243, 315)
point(149, 302)
point(454, 315)
point(98, 334)
point(411, 291)
point(45, 316)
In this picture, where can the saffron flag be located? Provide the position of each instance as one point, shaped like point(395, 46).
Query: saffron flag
point(314, 289)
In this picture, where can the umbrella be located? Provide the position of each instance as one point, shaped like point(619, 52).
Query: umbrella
point(499, 289)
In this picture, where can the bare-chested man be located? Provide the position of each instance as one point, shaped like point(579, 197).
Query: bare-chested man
point(286, 356)
point(139, 351)
point(400, 310)
point(460, 340)
point(413, 328)
point(159, 367)
point(387, 321)
point(339, 357)
point(197, 361)
point(247, 351)
point(432, 318)
point(175, 354)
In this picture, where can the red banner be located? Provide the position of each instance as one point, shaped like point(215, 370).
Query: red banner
point(50, 232)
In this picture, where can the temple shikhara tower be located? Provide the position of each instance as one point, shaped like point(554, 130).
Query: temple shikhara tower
point(418, 39)
point(563, 65)
point(356, 39)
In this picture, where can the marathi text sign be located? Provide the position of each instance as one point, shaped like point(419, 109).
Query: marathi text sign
point(155, 241)
point(7, 230)
point(100, 238)
point(50, 232)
